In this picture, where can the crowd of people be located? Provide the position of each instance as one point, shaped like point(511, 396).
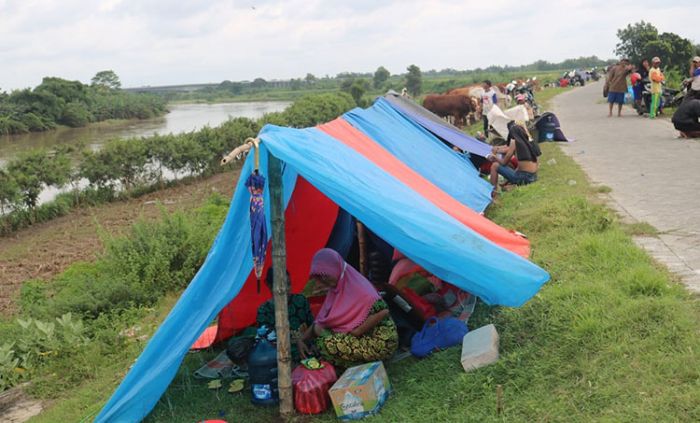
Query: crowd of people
point(647, 83)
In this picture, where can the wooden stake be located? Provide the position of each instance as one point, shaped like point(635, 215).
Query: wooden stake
point(279, 289)
point(499, 400)
point(362, 242)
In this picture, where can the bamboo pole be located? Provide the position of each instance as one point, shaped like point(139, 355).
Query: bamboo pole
point(362, 242)
point(279, 289)
point(243, 148)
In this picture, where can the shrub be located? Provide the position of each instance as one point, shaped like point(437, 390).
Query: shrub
point(75, 115)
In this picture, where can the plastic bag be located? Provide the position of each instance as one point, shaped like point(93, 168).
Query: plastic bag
point(438, 334)
point(311, 388)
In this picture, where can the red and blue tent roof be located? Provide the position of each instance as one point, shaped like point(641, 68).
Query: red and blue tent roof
point(334, 165)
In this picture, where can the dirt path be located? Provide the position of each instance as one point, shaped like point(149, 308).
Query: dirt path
point(46, 249)
point(652, 174)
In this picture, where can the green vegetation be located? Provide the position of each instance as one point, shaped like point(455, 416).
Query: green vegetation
point(57, 101)
point(131, 167)
point(600, 341)
point(432, 81)
point(414, 80)
point(643, 41)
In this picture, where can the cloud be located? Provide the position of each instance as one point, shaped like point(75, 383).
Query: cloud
point(155, 42)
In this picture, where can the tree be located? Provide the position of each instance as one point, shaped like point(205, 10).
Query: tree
point(633, 40)
point(234, 88)
point(75, 115)
point(106, 79)
point(310, 78)
point(9, 191)
point(680, 51)
point(34, 170)
point(258, 83)
point(643, 41)
point(356, 88)
point(381, 75)
point(414, 80)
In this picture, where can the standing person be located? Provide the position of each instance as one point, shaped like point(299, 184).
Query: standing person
point(643, 70)
point(616, 85)
point(353, 325)
point(488, 99)
point(694, 88)
point(656, 77)
point(637, 88)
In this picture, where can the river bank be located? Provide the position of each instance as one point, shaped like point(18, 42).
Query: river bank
point(182, 117)
point(46, 249)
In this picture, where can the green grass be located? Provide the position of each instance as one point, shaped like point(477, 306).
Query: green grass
point(640, 228)
point(609, 338)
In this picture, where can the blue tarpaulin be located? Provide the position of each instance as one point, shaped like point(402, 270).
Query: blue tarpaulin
point(438, 126)
point(389, 208)
point(423, 152)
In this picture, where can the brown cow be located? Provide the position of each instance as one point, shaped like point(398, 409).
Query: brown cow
point(443, 105)
point(473, 91)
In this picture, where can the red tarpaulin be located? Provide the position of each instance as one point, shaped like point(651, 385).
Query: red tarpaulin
point(309, 220)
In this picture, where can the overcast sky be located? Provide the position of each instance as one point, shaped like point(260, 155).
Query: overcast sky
point(161, 42)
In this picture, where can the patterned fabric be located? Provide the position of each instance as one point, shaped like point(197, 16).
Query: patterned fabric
point(346, 350)
point(300, 316)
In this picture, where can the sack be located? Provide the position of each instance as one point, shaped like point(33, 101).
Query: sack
point(311, 387)
point(438, 334)
point(605, 90)
point(239, 347)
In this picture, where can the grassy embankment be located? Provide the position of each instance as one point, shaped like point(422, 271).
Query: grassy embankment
point(611, 337)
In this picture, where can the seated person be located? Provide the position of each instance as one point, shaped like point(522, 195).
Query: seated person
point(518, 144)
point(353, 325)
point(300, 317)
point(685, 119)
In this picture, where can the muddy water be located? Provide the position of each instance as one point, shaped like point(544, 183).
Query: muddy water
point(182, 118)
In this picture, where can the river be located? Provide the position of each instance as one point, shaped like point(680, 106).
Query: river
point(182, 118)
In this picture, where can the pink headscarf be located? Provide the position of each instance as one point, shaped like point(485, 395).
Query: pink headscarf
point(348, 304)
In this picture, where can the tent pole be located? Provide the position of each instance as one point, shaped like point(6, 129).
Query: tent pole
point(362, 242)
point(280, 289)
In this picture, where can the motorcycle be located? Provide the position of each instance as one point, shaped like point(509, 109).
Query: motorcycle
point(669, 97)
point(526, 91)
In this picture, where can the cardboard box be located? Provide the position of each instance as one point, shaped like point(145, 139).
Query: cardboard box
point(360, 391)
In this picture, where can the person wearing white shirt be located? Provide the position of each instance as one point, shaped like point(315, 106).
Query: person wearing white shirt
point(488, 99)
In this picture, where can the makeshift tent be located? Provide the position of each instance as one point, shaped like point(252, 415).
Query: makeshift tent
point(322, 173)
point(436, 125)
point(422, 152)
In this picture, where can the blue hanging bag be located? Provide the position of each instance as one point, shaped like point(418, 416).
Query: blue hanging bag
point(438, 334)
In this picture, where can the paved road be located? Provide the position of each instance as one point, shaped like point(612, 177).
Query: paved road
point(653, 175)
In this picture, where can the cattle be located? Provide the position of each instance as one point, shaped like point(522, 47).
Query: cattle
point(444, 105)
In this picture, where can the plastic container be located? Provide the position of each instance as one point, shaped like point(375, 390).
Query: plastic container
point(311, 388)
point(262, 369)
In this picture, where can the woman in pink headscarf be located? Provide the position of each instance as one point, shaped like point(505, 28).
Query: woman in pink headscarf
point(353, 325)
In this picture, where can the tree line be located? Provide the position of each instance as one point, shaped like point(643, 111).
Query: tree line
point(57, 101)
point(126, 167)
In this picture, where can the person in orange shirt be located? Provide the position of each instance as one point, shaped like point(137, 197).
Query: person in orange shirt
point(656, 77)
